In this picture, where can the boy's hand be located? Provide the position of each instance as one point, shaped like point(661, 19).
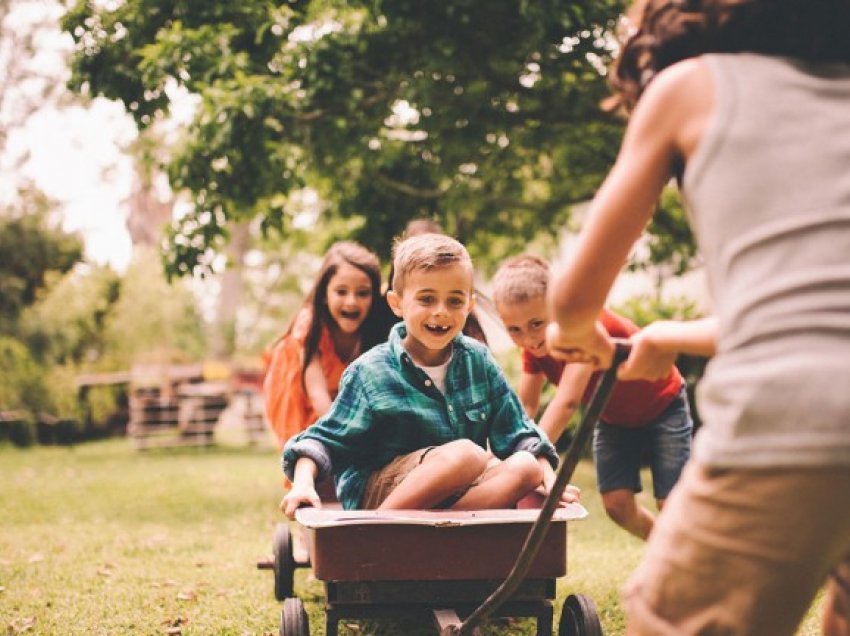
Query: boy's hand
point(299, 495)
point(571, 493)
point(649, 359)
point(594, 347)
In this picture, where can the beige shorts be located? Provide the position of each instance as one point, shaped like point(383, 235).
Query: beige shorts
point(384, 480)
point(741, 552)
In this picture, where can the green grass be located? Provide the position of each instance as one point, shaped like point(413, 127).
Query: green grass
point(100, 539)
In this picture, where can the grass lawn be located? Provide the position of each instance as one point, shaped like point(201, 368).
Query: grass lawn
point(101, 539)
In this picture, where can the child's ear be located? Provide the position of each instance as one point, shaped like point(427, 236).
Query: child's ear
point(394, 301)
point(471, 302)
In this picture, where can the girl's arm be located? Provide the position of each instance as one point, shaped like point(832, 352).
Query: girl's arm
point(530, 387)
point(567, 399)
point(317, 387)
point(666, 124)
point(656, 346)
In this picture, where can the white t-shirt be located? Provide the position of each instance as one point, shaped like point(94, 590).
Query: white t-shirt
point(438, 374)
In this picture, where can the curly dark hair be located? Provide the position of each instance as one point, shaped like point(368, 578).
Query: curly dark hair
point(669, 31)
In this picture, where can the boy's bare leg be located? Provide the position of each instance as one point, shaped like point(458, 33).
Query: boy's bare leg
point(445, 470)
point(505, 483)
point(625, 511)
point(300, 553)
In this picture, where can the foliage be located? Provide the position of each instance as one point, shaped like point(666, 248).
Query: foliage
point(31, 77)
point(31, 247)
point(643, 310)
point(66, 325)
point(484, 115)
point(21, 393)
point(61, 389)
point(18, 428)
point(21, 388)
point(91, 319)
point(276, 282)
point(670, 248)
point(151, 320)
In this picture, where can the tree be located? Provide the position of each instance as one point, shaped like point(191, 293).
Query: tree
point(151, 320)
point(26, 82)
point(66, 325)
point(482, 114)
point(670, 248)
point(31, 246)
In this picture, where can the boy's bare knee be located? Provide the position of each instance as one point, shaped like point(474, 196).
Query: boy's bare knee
point(464, 456)
point(619, 505)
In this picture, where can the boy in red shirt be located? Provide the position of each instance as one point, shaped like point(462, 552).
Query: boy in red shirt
point(643, 419)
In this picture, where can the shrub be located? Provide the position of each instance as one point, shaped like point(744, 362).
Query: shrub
point(18, 428)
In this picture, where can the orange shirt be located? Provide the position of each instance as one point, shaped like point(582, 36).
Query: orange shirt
point(287, 405)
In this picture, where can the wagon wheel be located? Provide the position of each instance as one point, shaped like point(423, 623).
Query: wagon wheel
point(579, 617)
point(284, 564)
point(293, 618)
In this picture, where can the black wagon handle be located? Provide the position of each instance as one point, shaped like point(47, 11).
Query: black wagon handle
point(535, 537)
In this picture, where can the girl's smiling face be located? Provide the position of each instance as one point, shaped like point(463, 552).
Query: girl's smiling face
point(434, 305)
point(349, 297)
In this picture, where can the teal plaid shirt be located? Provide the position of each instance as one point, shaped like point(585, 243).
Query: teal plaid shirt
point(387, 407)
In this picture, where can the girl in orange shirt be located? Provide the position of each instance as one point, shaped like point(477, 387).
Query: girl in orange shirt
point(335, 325)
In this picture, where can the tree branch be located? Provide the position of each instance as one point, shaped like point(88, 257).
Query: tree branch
point(413, 191)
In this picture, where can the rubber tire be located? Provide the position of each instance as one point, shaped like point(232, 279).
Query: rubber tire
point(284, 564)
point(293, 618)
point(579, 617)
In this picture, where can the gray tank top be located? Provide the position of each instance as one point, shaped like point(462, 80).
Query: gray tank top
point(768, 189)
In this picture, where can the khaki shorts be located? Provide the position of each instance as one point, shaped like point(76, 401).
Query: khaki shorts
point(741, 552)
point(384, 480)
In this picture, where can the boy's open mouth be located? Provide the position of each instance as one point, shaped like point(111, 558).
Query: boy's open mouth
point(437, 329)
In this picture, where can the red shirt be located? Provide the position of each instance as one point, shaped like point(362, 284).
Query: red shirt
point(633, 403)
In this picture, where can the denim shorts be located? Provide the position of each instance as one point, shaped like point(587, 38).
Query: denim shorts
point(664, 443)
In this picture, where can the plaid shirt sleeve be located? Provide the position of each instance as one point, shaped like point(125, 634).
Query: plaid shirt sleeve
point(342, 435)
point(512, 429)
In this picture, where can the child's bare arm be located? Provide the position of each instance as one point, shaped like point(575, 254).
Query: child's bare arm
point(655, 347)
point(303, 489)
point(530, 387)
point(567, 398)
point(664, 127)
point(317, 387)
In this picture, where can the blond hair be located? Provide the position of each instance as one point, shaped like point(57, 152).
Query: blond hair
point(520, 279)
point(426, 252)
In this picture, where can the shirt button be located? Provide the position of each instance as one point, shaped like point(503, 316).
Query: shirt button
point(427, 382)
point(451, 408)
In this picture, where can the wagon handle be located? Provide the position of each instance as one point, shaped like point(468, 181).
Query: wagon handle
point(535, 537)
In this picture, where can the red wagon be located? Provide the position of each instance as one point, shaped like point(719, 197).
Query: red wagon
point(455, 568)
point(437, 565)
